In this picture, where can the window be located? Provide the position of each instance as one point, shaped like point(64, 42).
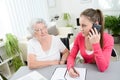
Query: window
point(109, 4)
point(17, 14)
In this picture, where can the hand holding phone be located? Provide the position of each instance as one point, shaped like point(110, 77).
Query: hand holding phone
point(93, 36)
point(97, 26)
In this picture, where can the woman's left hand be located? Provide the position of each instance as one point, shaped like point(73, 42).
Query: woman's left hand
point(94, 36)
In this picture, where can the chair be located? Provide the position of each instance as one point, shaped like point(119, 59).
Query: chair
point(114, 54)
point(65, 42)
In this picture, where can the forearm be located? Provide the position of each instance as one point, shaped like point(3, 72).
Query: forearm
point(102, 58)
point(64, 56)
point(70, 62)
point(101, 62)
point(38, 64)
point(71, 58)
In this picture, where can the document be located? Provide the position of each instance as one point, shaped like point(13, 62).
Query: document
point(1, 78)
point(62, 74)
point(33, 76)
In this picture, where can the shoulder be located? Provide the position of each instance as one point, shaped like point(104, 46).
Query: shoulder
point(79, 36)
point(108, 38)
point(33, 40)
point(55, 37)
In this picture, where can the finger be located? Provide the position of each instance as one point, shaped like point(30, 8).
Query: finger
point(72, 73)
point(90, 34)
point(75, 75)
point(99, 34)
point(89, 37)
point(96, 32)
point(93, 32)
point(76, 71)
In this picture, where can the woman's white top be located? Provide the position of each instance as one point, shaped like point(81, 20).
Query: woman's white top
point(35, 48)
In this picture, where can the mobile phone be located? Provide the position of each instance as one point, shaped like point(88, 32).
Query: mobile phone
point(97, 26)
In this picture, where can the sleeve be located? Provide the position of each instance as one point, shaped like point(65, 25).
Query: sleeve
point(61, 46)
point(30, 48)
point(102, 56)
point(73, 53)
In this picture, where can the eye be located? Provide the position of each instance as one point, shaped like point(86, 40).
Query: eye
point(36, 30)
point(83, 25)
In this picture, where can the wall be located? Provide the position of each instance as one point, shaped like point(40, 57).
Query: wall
point(56, 10)
point(75, 7)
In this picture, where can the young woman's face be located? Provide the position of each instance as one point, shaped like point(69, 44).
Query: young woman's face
point(40, 30)
point(85, 25)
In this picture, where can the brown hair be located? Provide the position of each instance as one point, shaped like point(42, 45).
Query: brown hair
point(95, 15)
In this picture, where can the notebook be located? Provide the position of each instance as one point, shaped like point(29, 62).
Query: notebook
point(33, 76)
point(62, 74)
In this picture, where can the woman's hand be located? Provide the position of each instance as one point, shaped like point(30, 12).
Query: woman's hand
point(73, 73)
point(94, 36)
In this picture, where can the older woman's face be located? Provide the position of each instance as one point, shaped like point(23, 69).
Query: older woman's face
point(85, 25)
point(40, 30)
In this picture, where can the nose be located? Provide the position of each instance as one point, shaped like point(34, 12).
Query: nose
point(81, 29)
point(41, 30)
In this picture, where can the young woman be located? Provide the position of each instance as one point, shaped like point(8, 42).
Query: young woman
point(95, 46)
point(44, 49)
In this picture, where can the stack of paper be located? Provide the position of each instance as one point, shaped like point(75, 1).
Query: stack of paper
point(62, 74)
point(33, 76)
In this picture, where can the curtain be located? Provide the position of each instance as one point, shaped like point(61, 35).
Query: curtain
point(21, 12)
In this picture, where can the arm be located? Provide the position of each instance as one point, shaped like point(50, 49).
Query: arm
point(65, 54)
point(33, 63)
point(102, 56)
point(73, 53)
point(31, 57)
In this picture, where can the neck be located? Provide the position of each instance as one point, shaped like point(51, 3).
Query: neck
point(44, 38)
point(88, 45)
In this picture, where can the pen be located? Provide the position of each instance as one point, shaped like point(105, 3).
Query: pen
point(76, 71)
point(65, 74)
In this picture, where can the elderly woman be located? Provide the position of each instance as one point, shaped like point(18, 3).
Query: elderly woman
point(44, 49)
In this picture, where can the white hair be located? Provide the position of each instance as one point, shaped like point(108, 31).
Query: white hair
point(33, 22)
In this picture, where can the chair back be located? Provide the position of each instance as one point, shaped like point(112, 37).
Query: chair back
point(114, 54)
point(65, 42)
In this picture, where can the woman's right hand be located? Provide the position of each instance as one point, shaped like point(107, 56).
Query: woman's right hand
point(73, 73)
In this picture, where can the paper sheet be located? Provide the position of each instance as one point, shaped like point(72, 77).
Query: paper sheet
point(1, 78)
point(33, 76)
point(61, 74)
point(82, 72)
